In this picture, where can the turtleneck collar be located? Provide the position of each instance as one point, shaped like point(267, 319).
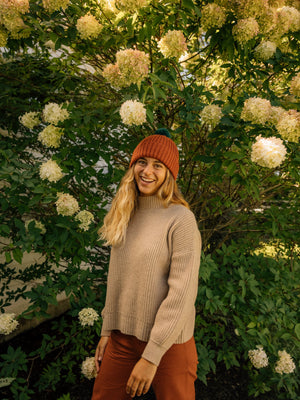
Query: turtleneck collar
point(146, 202)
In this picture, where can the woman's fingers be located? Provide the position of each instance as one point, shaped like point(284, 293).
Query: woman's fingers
point(100, 351)
point(141, 378)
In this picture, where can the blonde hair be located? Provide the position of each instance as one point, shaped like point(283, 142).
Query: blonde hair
point(124, 204)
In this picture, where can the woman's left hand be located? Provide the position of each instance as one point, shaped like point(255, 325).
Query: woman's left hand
point(141, 378)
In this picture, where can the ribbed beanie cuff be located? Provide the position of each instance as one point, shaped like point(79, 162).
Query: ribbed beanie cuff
point(160, 147)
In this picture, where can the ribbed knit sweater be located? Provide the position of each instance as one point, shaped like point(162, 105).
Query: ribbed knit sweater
point(153, 278)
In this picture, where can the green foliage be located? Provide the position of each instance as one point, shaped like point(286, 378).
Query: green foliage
point(246, 300)
point(233, 198)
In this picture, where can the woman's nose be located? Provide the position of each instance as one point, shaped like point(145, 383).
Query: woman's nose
point(148, 169)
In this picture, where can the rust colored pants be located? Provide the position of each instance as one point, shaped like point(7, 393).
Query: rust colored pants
point(174, 379)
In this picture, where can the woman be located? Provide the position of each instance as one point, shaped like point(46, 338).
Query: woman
point(149, 313)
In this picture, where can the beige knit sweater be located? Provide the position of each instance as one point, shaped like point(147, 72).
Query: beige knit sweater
point(153, 278)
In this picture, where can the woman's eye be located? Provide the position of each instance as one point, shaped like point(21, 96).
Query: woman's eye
point(141, 162)
point(157, 165)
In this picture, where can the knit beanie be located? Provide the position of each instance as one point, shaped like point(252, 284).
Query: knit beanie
point(161, 147)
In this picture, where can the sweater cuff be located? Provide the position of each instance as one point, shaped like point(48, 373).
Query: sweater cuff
point(153, 352)
point(105, 332)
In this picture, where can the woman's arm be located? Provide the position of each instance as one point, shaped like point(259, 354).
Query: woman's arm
point(178, 306)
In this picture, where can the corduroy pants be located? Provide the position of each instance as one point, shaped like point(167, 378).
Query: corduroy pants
point(175, 375)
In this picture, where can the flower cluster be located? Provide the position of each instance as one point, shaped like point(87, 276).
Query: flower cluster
point(213, 16)
point(289, 125)
point(10, 17)
point(251, 8)
point(268, 152)
point(16, 26)
point(38, 224)
point(256, 110)
point(85, 218)
point(132, 66)
point(11, 8)
point(53, 5)
point(87, 316)
point(288, 19)
point(88, 27)
point(50, 136)
point(295, 85)
point(113, 75)
point(258, 357)
point(276, 114)
point(54, 113)
point(131, 5)
point(173, 44)
point(51, 170)
point(88, 368)
point(133, 112)
point(211, 115)
point(66, 204)
point(30, 119)
point(285, 364)
point(245, 30)
point(7, 323)
point(265, 50)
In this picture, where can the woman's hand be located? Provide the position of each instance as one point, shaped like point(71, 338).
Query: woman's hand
point(141, 378)
point(100, 351)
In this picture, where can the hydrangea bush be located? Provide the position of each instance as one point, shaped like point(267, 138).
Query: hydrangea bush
point(82, 84)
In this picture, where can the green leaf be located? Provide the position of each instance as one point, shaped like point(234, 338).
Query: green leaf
point(297, 331)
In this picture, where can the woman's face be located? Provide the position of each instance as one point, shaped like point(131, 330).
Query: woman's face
point(149, 175)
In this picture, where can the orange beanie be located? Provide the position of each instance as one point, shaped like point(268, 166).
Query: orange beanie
point(160, 147)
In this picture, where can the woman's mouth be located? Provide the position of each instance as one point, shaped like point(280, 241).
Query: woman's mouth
point(146, 180)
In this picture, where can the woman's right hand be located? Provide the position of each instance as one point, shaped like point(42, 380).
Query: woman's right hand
point(100, 351)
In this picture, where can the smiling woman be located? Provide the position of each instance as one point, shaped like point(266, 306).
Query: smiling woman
point(149, 314)
point(149, 175)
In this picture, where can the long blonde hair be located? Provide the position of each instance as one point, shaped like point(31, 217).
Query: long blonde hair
point(124, 204)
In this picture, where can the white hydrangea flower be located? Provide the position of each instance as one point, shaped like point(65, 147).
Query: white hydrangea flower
point(30, 119)
point(173, 44)
point(53, 5)
point(88, 368)
point(276, 114)
point(289, 126)
point(88, 27)
point(285, 364)
point(11, 8)
point(133, 112)
point(265, 50)
point(85, 218)
point(50, 136)
point(256, 110)
point(211, 115)
point(54, 113)
point(268, 152)
point(38, 224)
point(133, 66)
point(7, 323)
point(87, 316)
point(295, 85)
point(245, 30)
point(258, 357)
point(213, 16)
point(66, 204)
point(288, 19)
point(51, 170)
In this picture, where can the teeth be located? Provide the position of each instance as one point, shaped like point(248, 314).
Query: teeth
point(146, 180)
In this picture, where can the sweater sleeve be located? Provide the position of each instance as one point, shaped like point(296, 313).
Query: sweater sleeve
point(183, 285)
